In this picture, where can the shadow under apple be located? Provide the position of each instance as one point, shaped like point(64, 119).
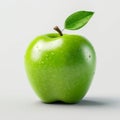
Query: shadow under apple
point(90, 102)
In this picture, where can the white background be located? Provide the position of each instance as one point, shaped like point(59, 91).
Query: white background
point(21, 21)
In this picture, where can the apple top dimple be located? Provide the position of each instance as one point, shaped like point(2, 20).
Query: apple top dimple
point(54, 35)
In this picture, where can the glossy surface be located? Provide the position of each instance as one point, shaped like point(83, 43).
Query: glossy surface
point(60, 68)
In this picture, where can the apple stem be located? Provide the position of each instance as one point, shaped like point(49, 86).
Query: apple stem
point(58, 30)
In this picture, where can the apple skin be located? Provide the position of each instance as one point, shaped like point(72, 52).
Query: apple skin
point(60, 68)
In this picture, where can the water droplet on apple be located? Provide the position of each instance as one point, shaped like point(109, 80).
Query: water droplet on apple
point(42, 62)
point(47, 57)
point(52, 53)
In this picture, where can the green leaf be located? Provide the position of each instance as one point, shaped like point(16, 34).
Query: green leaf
point(77, 20)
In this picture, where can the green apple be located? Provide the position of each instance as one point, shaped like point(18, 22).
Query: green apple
point(60, 67)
